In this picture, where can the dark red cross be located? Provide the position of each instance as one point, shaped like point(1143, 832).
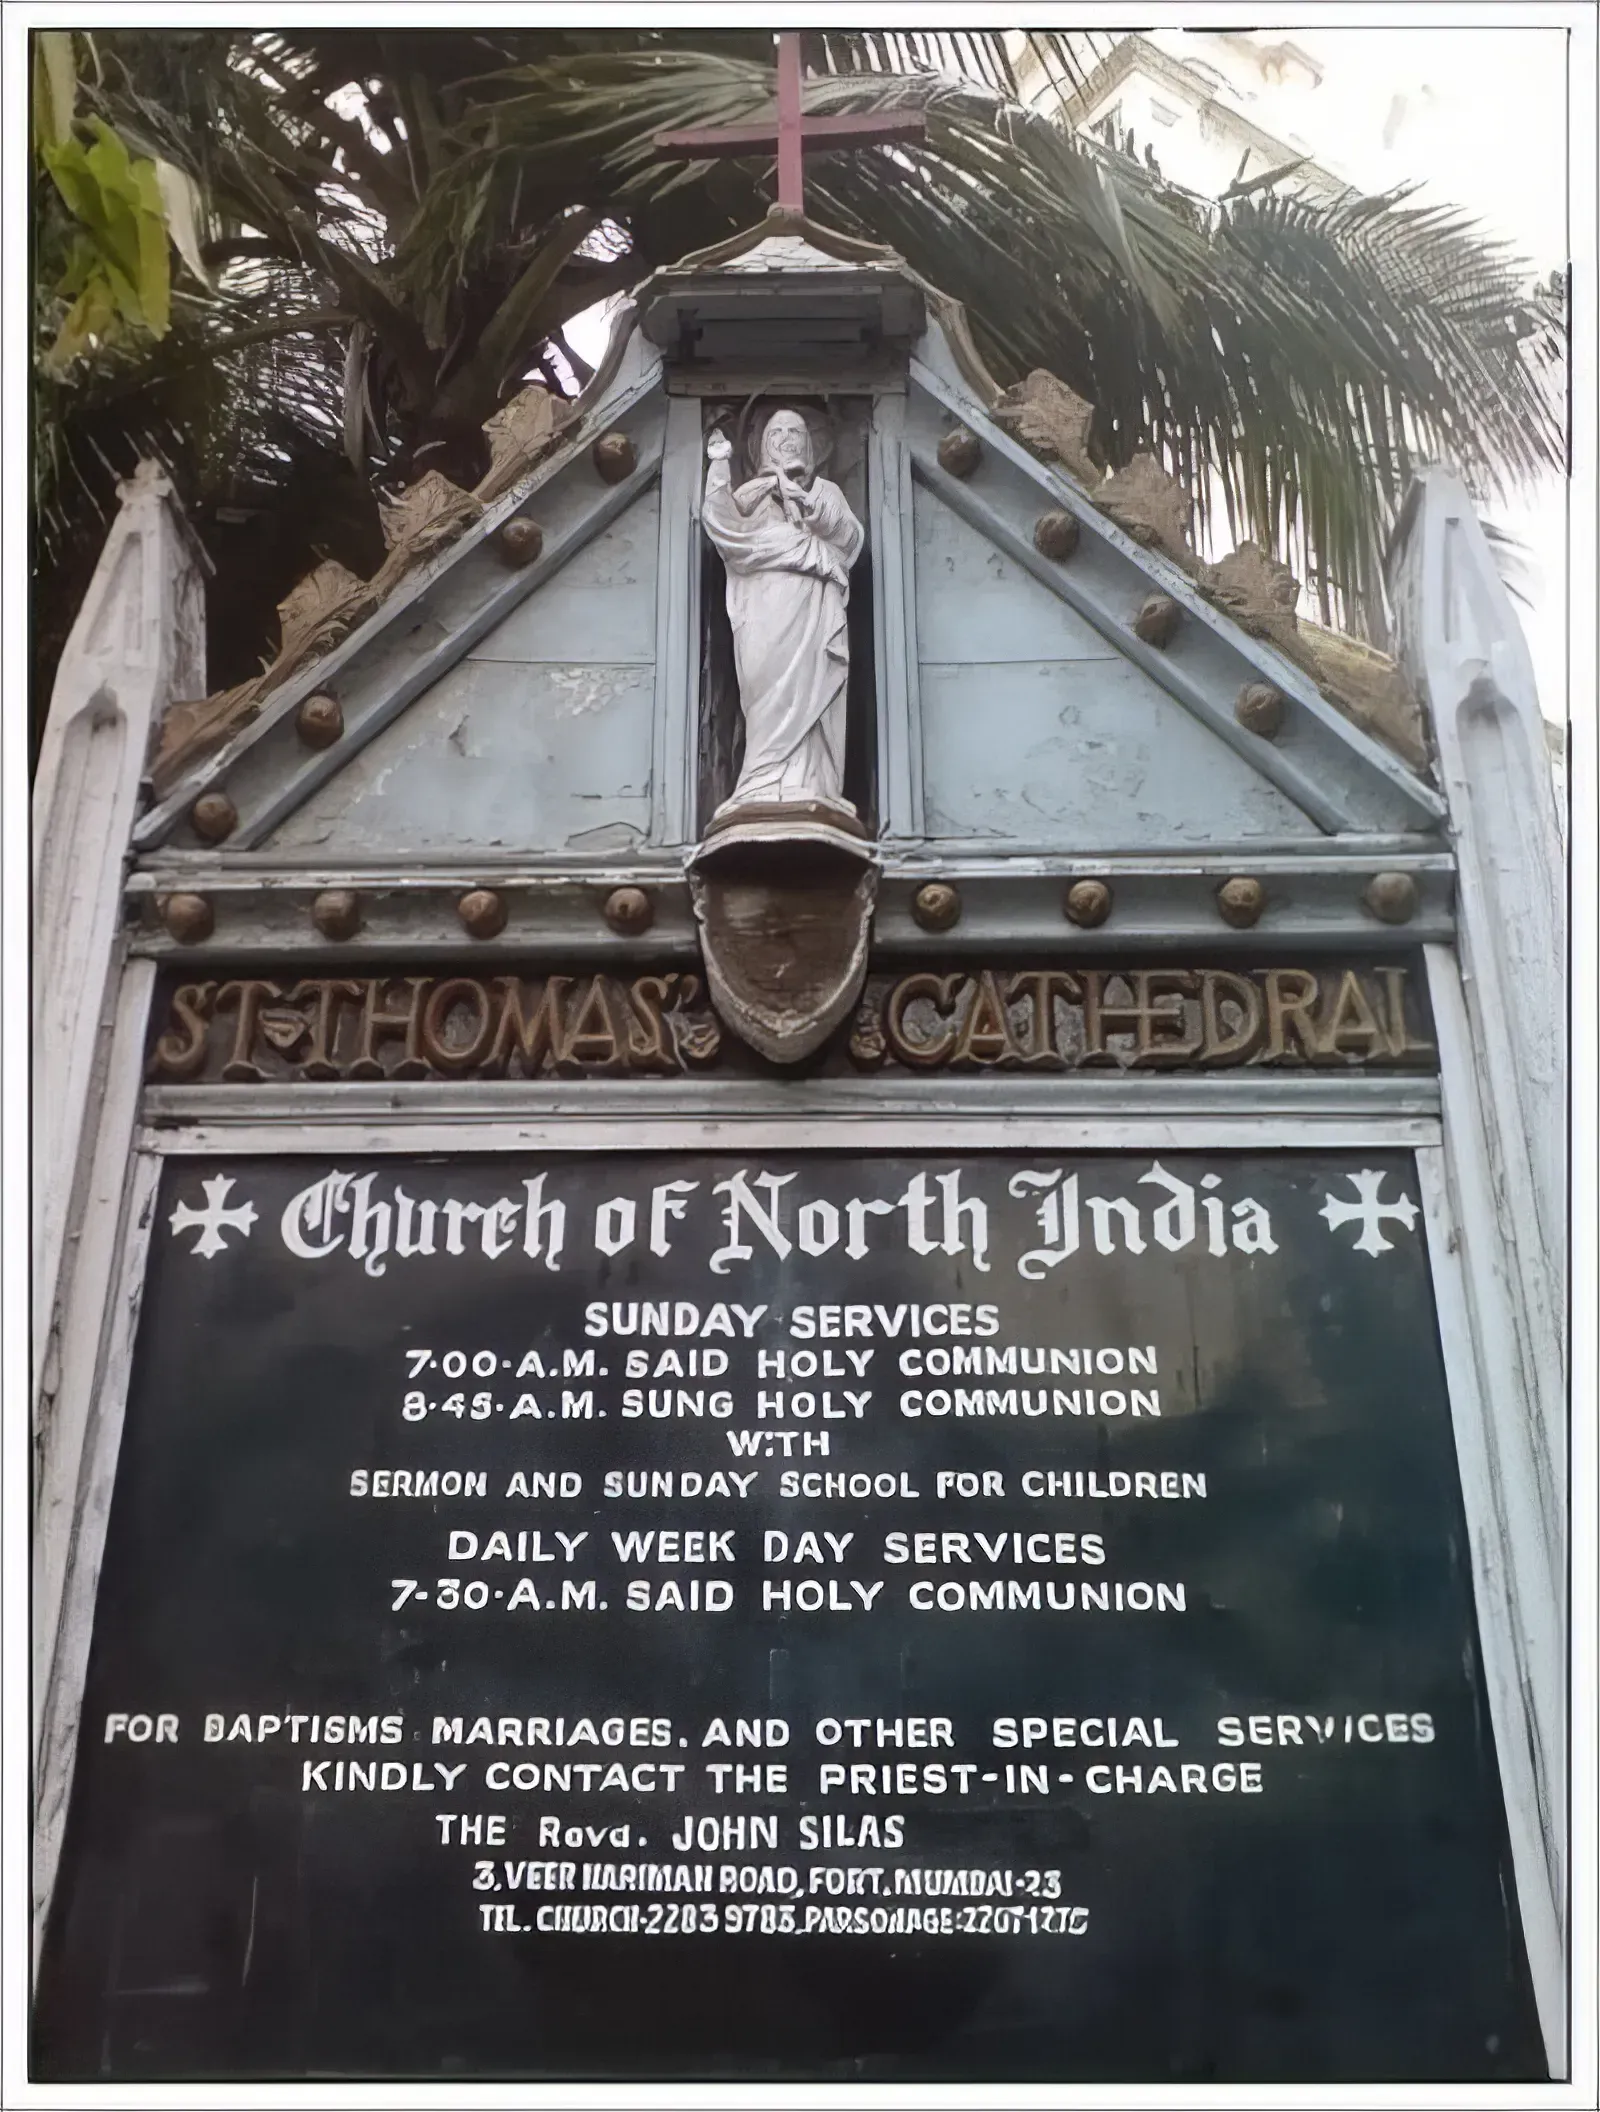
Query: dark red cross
point(795, 135)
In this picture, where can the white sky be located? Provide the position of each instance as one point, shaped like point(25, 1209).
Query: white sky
point(1484, 127)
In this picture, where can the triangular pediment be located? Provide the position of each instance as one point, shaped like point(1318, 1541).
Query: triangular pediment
point(1058, 670)
point(498, 696)
point(538, 738)
point(1036, 729)
point(1059, 705)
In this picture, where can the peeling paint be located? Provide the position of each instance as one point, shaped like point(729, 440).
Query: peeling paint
point(584, 688)
point(613, 836)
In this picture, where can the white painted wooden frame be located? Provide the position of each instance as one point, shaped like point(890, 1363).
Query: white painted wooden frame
point(894, 624)
point(1514, 1464)
point(65, 1404)
point(674, 758)
point(93, 1469)
point(1519, 1618)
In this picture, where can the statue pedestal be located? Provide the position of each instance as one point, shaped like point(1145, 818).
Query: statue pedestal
point(784, 896)
point(754, 820)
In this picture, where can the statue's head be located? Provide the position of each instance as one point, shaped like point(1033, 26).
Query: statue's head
point(786, 444)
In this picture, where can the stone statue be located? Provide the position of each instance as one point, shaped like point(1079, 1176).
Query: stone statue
point(788, 539)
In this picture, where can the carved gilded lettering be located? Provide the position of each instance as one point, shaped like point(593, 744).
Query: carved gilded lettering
point(985, 1035)
point(183, 1054)
point(1160, 1017)
point(647, 1000)
point(1218, 1044)
point(592, 1039)
point(1154, 1013)
point(1401, 1040)
point(456, 993)
point(939, 991)
point(1351, 1022)
point(1093, 981)
point(602, 1024)
point(698, 1035)
point(533, 1036)
point(245, 998)
point(1041, 986)
point(327, 993)
point(382, 1022)
point(1292, 995)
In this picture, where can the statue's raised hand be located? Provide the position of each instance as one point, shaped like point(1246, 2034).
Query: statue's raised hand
point(718, 446)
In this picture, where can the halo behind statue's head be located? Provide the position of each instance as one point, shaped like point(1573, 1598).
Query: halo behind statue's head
point(759, 413)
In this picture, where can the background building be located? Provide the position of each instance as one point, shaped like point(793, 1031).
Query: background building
point(1475, 116)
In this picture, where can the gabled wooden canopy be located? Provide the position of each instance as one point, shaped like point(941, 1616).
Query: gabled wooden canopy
point(1320, 773)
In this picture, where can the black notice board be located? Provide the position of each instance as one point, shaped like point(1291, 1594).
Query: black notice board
point(1201, 1489)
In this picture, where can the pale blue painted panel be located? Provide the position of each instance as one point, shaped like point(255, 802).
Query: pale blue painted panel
point(497, 757)
point(601, 605)
point(973, 603)
point(1087, 754)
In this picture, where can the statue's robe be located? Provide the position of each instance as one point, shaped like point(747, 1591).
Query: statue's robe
point(788, 592)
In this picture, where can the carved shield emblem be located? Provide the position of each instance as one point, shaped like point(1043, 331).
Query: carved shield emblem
point(785, 908)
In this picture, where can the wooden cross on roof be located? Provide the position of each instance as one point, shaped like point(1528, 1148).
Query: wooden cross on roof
point(794, 135)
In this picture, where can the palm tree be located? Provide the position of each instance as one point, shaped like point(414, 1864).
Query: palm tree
point(404, 224)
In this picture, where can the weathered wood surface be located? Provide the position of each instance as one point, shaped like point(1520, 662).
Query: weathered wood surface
point(1071, 1112)
point(1501, 1008)
point(539, 738)
point(1035, 729)
point(1339, 775)
point(1315, 897)
point(1516, 1518)
point(429, 620)
point(139, 641)
point(1461, 642)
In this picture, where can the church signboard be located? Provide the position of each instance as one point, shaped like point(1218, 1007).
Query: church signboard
point(794, 1360)
point(895, 1615)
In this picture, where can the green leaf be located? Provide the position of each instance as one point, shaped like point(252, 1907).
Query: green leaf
point(117, 203)
point(83, 264)
point(92, 317)
point(155, 266)
point(69, 169)
point(55, 87)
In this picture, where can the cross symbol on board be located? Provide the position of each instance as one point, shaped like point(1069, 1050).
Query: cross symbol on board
point(1370, 1211)
point(215, 1218)
point(795, 135)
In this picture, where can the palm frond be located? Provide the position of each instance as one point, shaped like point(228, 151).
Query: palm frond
point(424, 194)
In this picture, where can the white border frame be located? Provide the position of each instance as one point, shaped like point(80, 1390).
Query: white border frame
point(264, 1125)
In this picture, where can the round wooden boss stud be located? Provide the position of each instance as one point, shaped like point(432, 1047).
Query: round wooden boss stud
point(213, 817)
point(482, 913)
point(337, 913)
point(188, 918)
point(960, 452)
point(1088, 903)
point(519, 542)
point(1055, 535)
point(629, 910)
point(1392, 897)
point(937, 906)
point(614, 457)
point(1240, 902)
point(319, 721)
point(1157, 620)
point(1259, 709)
